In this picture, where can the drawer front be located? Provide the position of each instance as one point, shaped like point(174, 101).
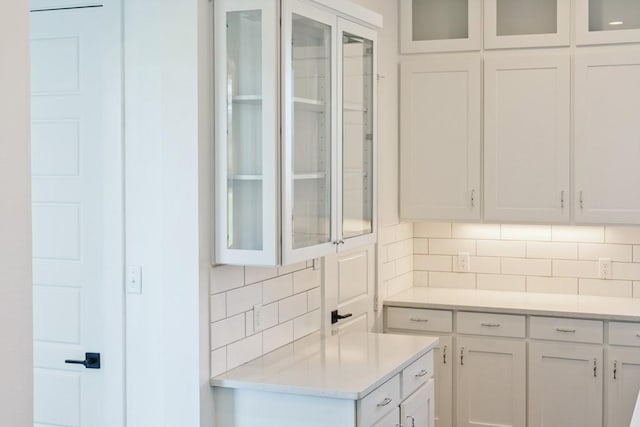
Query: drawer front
point(419, 319)
point(561, 329)
point(624, 334)
point(497, 325)
point(416, 374)
point(379, 402)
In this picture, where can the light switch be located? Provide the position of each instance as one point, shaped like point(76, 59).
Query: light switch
point(134, 279)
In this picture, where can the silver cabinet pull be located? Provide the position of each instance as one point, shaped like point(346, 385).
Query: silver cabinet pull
point(444, 355)
point(562, 199)
point(581, 201)
point(462, 356)
point(490, 325)
point(595, 367)
point(473, 198)
point(638, 335)
point(566, 331)
point(413, 420)
point(417, 319)
point(422, 373)
point(615, 369)
point(385, 402)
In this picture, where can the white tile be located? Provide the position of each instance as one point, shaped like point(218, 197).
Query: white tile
point(512, 249)
point(277, 337)
point(526, 232)
point(314, 299)
point(526, 267)
point(451, 246)
point(605, 288)
point(475, 231)
point(500, 282)
point(259, 274)
point(420, 246)
point(306, 279)
point(636, 253)
point(404, 265)
point(226, 277)
point(243, 299)
point(636, 289)
point(625, 271)
point(584, 269)
point(552, 285)
point(269, 315)
point(244, 351)
point(306, 324)
point(217, 307)
point(399, 249)
point(404, 231)
point(218, 361)
point(278, 288)
point(420, 278)
point(292, 307)
point(593, 251)
point(387, 234)
point(388, 270)
point(572, 233)
point(629, 235)
point(248, 323)
point(399, 284)
point(478, 264)
point(286, 269)
point(227, 331)
point(431, 229)
point(452, 280)
point(432, 262)
point(554, 250)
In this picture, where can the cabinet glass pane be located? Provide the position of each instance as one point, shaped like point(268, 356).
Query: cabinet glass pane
point(244, 116)
point(311, 62)
point(611, 15)
point(357, 136)
point(518, 17)
point(440, 19)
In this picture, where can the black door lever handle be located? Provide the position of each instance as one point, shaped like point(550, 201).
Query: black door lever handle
point(91, 361)
point(335, 316)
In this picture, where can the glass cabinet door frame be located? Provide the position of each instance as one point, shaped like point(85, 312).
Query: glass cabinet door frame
point(269, 253)
point(560, 38)
point(586, 37)
point(471, 43)
point(290, 254)
point(349, 27)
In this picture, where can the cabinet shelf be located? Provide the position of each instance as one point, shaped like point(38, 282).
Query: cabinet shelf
point(352, 106)
point(247, 99)
point(309, 176)
point(245, 177)
point(309, 104)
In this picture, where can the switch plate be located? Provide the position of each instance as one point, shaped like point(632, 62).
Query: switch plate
point(134, 279)
point(463, 261)
point(604, 268)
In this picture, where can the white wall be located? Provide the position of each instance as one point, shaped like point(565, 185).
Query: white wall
point(16, 357)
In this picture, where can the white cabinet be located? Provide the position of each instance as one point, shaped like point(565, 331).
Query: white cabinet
point(294, 161)
point(527, 138)
point(443, 360)
point(607, 99)
point(607, 21)
point(439, 25)
point(526, 23)
point(565, 385)
point(622, 385)
point(417, 410)
point(440, 139)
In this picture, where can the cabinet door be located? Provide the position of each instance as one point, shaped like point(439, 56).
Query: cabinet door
point(527, 138)
point(309, 131)
point(491, 382)
point(357, 134)
point(439, 25)
point(526, 23)
point(443, 377)
point(565, 385)
point(246, 135)
point(417, 410)
point(440, 139)
point(391, 420)
point(607, 101)
point(607, 21)
point(622, 385)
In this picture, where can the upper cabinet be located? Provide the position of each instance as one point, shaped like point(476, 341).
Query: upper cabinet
point(439, 25)
point(607, 21)
point(294, 150)
point(526, 23)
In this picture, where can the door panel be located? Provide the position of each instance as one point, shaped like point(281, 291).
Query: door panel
point(417, 410)
point(622, 385)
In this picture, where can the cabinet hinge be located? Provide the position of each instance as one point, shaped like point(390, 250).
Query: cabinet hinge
point(369, 137)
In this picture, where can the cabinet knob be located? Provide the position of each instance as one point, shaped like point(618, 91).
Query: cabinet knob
point(385, 402)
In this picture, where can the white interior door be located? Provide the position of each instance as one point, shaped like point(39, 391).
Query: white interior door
point(349, 280)
point(77, 214)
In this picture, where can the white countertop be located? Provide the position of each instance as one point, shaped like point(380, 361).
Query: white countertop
point(576, 306)
point(346, 366)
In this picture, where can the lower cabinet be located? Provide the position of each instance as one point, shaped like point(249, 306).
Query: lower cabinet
point(415, 411)
point(443, 361)
point(491, 382)
point(622, 383)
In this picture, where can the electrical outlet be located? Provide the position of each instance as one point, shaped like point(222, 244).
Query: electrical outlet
point(257, 317)
point(463, 261)
point(604, 268)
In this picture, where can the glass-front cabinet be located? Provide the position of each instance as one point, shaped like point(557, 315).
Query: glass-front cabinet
point(294, 140)
point(607, 21)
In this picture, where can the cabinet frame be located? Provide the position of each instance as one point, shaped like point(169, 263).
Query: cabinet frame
point(586, 37)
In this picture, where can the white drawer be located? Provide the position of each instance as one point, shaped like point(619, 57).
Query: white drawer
point(561, 329)
point(390, 420)
point(379, 402)
point(416, 374)
point(419, 319)
point(624, 334)
point(497, 325)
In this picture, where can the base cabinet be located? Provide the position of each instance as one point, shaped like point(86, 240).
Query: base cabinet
point(418, 409)
point(443, 376)
point(622, 384)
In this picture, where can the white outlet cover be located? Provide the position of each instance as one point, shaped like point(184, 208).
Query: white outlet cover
point(604, 268)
